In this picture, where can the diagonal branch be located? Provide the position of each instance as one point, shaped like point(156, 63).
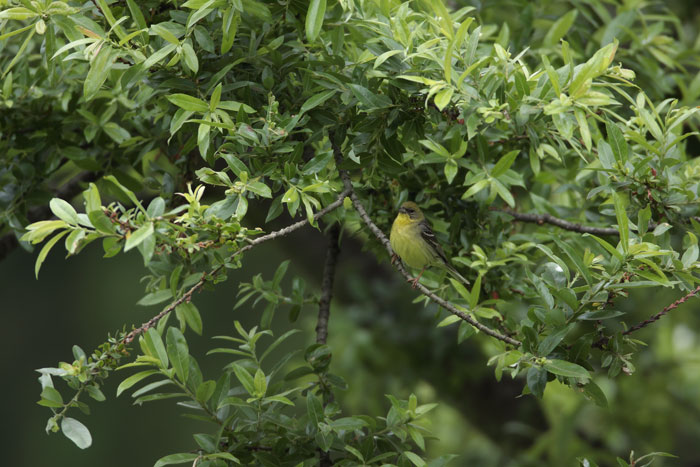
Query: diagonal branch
point(187, 296)
point(324, 304)
point(561, 223)
point(385, 241)
point(600, 343)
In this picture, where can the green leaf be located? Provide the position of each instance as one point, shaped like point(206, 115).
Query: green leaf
point(643, 218)
point(20, 52)
point(574, 256)
point(182, 458)
point(443, 97)
point(543, 290)
point(95, 393)
point(260, 383)
point(244, 377)
point(564, 368)
point(348, 424)
point(154, 343)
point(223, 455)
point(215, 98)
point(178, 353)
point(465, 331)
point(384, 57)
point(503, 192)
point(437, 148)
point(159, 55)
point(448, 320)
point(451, 169)
point(138, 236)
point(474, 189)
point(280, 399)
point(415, 459)
point(229, 27)
point(475, 292)
point(291, 195)
point(136, 14)
point(314, 408)
point(622, 221)
point(45, 251)
point(188, 102)
point(52, 395)
point(203, 138)
point(550, 342)
point(662, 228)
point(611, 249)
point(690, 256)
point(369, 99)
point(594, 67)
point(593, 393)
point(316, 100)
point(537, 380)
point(165, 33)
point(76, 432)
point(155, 297)
point(18, 13)
point(318, 163)
point(559, 28)
point(190, 57)
point(234, 164)
point(133, 379)
point(459, 287)
point(205, 391)
point(617, 142)
point(600, 315)
point(100, 67)
point(314, 19)
point(191, 315)
point(64, 211)
point(504, 163)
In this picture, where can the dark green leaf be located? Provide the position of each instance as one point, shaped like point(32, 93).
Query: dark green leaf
point(564, 368)
point(314, 19)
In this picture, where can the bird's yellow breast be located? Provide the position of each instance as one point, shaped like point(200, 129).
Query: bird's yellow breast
point(407, 242)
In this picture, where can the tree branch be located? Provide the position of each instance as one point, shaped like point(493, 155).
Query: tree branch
point(600, 343)
point(385, 241)
point(187, 296)
point(561, 223)
point(324, 304)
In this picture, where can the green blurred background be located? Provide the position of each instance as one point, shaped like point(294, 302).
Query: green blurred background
point(382, 343)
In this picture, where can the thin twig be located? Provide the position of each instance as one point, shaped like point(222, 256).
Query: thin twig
point(187, 296)
point(561, 223)
point(658, 315)
point(324, 304)
point(600, 343)
point(385, 241)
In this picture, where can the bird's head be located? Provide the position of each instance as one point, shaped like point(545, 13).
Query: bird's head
point(410, 212)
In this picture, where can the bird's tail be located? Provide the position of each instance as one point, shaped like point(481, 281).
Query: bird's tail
point(457, 275)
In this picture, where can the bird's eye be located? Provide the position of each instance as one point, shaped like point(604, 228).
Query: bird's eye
point(409, 210)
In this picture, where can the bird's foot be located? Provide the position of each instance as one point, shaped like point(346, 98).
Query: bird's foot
point(414, 282)
point(394, 258)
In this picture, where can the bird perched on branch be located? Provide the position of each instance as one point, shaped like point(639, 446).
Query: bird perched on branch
point(414, 242)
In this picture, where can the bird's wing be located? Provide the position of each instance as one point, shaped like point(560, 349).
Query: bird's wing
point(428, 235)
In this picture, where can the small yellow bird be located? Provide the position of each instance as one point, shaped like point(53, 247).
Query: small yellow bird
point(414, 242)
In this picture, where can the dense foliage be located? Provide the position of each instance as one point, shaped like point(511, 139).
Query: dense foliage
point(190, 130)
